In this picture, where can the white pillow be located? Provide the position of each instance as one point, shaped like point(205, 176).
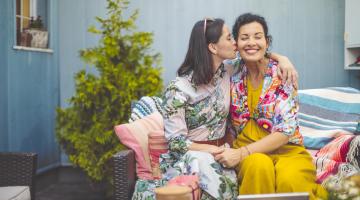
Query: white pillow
point(15, 193)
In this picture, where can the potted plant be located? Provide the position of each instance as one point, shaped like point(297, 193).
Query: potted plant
point(39, 36)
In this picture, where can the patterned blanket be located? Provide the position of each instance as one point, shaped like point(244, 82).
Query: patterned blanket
point(329, 121)
point(338, 160)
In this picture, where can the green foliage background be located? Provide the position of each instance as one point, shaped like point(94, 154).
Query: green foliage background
point(128, 70)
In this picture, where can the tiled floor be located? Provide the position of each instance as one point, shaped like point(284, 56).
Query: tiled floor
point(65, 183)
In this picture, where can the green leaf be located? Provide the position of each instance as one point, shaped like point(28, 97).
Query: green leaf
point(93, 29)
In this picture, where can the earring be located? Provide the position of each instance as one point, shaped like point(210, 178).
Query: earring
point(267, 53)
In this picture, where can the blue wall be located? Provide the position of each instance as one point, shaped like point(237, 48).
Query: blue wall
point(76, 17)
point(3, 75)
point(309, 32)
point(31, 92)
point(33, 84)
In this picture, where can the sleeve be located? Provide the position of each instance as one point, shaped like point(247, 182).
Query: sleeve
point(286, 110)
point(174, 103)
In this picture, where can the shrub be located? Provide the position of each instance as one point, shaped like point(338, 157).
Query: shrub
point(127, 70)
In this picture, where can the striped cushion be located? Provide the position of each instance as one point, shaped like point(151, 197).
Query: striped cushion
point(144, 107)
point(327, 112)
point(157, 145)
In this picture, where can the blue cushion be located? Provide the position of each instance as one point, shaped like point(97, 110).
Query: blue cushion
point(144, 107)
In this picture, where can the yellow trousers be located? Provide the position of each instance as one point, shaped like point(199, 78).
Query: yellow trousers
point(288, 169)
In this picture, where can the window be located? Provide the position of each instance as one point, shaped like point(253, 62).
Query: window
point(31, 23)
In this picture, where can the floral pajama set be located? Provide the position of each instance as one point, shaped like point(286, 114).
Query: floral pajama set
point(195, 113)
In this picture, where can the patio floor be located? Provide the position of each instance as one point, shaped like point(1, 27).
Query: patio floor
point(65, 183)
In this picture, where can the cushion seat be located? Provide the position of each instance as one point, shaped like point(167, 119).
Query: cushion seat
point(15, 193)
point(134, 135)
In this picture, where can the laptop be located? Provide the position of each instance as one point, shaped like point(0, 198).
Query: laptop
point(276, 196)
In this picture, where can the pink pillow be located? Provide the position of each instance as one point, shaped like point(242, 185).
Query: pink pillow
point(134, 135)
point(157, 146)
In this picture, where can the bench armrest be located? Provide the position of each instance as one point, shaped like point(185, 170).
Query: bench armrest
point(124, 174)
point(18, 169)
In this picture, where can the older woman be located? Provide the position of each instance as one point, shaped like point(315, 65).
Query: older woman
point(269, 152)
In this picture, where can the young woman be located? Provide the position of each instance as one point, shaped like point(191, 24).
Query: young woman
point(269, 152)
point(196, 106)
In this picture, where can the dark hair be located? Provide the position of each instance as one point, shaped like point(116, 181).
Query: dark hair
point(248, 18)
point(198, 57)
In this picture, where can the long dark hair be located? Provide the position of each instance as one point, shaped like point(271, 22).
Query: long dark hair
point(198, 57)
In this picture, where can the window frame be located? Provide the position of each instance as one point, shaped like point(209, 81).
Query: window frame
point(32, 12)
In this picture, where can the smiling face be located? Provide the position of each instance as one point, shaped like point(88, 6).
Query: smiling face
point(225, 48)
point(251, 42)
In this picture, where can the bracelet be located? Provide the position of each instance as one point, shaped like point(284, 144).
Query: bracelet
point(241, 154)
point(248, 151)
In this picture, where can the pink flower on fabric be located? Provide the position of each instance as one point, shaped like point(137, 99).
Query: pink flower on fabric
point(282, 93)
point(245, 115)
point(265, 124)
point(268, 98)
point(233, 109)
point(241, 87)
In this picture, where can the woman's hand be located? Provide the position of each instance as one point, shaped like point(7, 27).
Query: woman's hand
point(212, 149)
point(286, 70)
point(229, 157)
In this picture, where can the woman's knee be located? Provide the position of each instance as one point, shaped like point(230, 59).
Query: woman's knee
point(293, 182)
point(257, 161)
point(258, 171)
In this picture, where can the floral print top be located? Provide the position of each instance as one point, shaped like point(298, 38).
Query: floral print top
point(196, 113)
point(277, 108)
